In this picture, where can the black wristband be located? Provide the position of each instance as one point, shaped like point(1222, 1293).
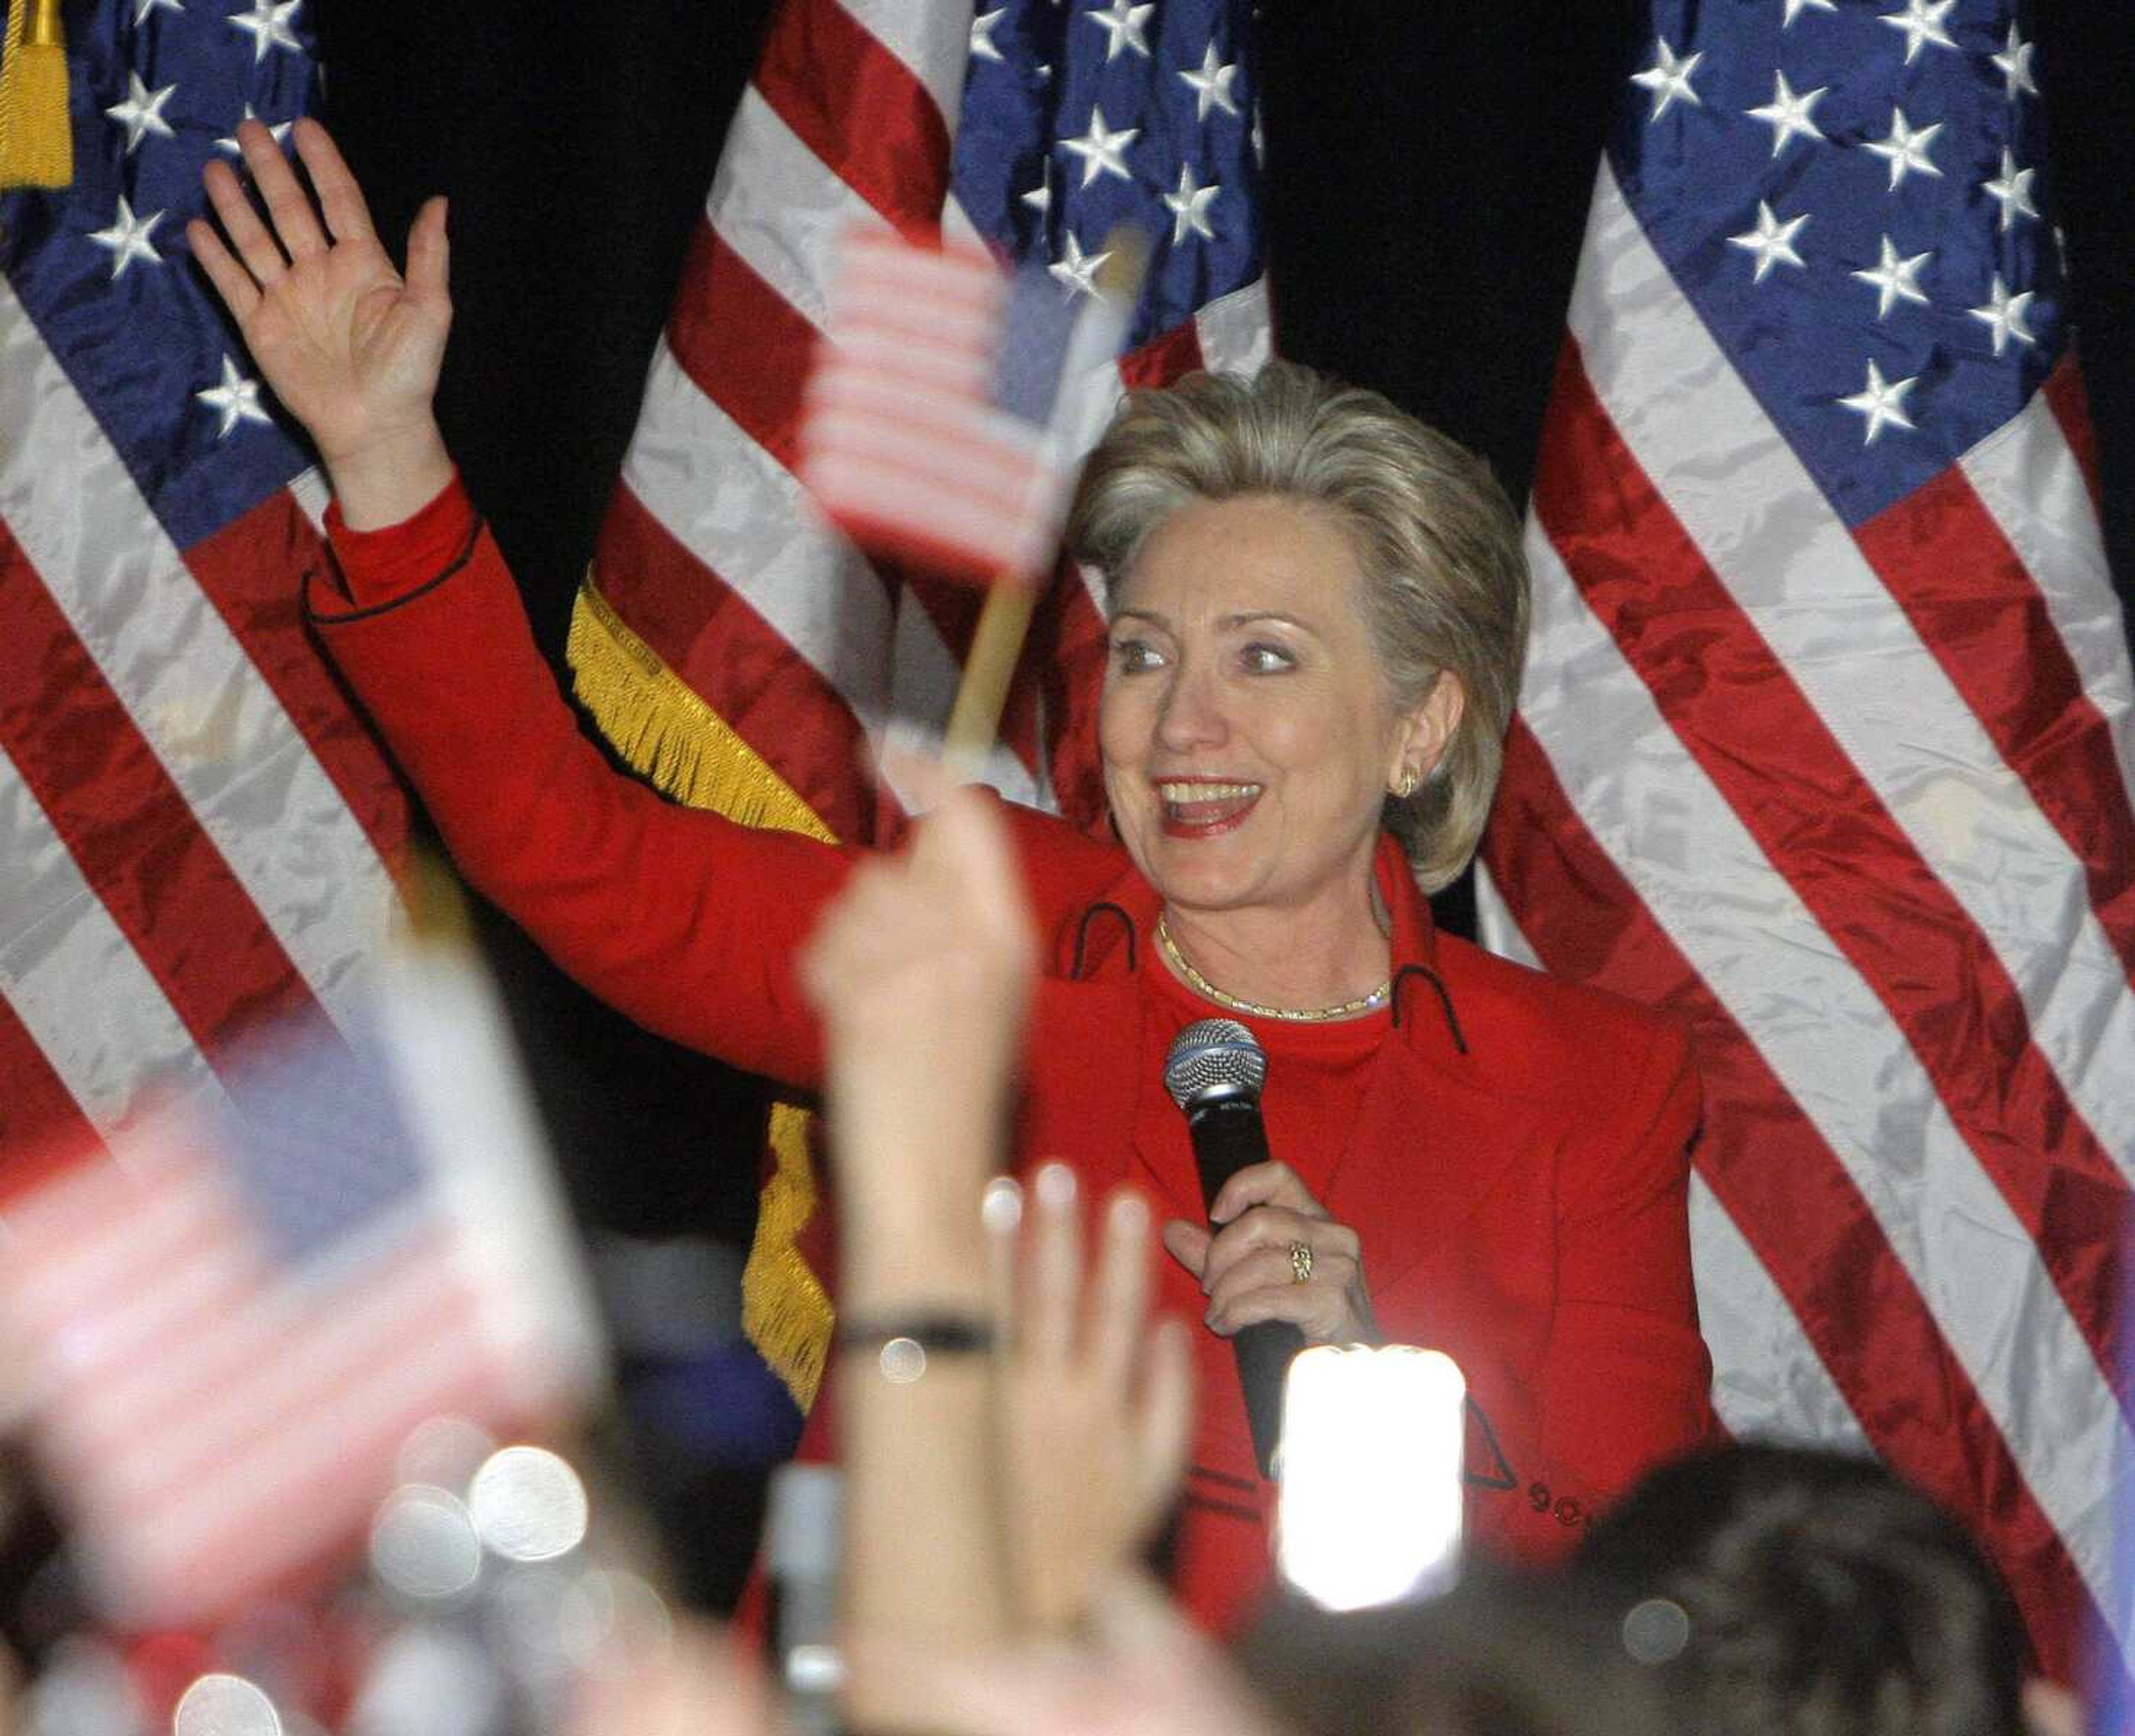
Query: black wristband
point(939, 1333)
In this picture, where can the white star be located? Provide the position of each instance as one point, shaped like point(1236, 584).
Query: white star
point(1078, 271)
point(145, 7)
point(235, 400)
point(1881, 401)
point(2012, 191)
point(1123, 20)
point(127, 240)
point(2006, 314)
point(281, 134)
point(1039, 198)
point(1189, 207)
point(1211, 85)
point(1906, 149)
point(141, 113)
point(2015, 64)
point(1895, 280)
point(1796, 7)
point(268, 25)
point(1788, 114)
point(1771, 240)
point(1103, 152)
point(1259, 137)
point(1922, 22)
point(1668, 78)
point(982, 34)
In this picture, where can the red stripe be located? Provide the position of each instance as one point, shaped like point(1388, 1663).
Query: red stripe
point(250, 571)
point(42, 1128)
point(129, 828)
point(2066, 398)
point(858, 109)
point(1974, 604)
point(1739, 714)
point(746, 346)
point(1168, 357)
point(1788, 1193)
point(709, 636)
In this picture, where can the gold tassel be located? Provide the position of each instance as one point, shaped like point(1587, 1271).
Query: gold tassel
point(36, 140)
point(658, 723)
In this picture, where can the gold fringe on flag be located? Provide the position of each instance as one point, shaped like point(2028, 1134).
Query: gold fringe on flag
point(658, 724)
point(36, 140)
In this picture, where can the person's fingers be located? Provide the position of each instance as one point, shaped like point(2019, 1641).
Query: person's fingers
point(1052, 1278)
point(1119, 1293)
point(429, 252)
point(258, 249)
point(1258, 1228)
point(1000, 1210)
point(232, 282)
point(920, 782)
point(296, 224)
point(1263, 1268)
point(1263, 1184)
point(1188, 1243)
point(340, 199)
point(1164, 1421)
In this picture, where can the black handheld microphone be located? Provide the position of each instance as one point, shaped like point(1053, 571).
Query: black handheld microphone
point(1214, 1073)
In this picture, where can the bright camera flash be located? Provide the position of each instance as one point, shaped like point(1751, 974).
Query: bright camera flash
point(1369, 1509)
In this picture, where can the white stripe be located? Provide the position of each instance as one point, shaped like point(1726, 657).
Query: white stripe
point(243, 767)
point(74, 980)
point(933, 42)
point(1747, 501)
point(312, 1346)
point(1768, 1384)
point(741, 513)
point(1837, 1053)
point(2027, 478)
point(1236, 331)
point(780, 207)
point(926, 678)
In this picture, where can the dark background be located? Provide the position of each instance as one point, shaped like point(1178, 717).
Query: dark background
point(1429, 168)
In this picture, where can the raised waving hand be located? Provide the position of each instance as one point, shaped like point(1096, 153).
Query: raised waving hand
point(351, 347)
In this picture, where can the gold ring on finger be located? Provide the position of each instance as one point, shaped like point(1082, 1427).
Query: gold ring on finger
point(1300, 1262)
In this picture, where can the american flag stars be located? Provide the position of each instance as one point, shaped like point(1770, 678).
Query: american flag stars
point(1137, 112)
point(1779, 172)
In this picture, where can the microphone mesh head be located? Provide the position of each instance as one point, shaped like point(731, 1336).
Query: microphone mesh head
point(1213, 1059)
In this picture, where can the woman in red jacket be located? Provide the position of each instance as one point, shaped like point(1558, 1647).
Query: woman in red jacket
point(1317, 609)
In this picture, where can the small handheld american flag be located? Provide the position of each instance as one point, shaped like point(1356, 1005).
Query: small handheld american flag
point(230, 1321)
point(945, 406)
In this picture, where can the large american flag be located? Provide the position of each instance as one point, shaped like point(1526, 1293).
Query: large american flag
point(1825, 742)
point(194, 830)
point(730, 642)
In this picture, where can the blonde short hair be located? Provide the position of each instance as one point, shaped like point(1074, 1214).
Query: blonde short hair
point(1437, 545)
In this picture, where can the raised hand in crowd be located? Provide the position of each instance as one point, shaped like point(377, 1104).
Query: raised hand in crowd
point(351, 347)
point(1094, 1408)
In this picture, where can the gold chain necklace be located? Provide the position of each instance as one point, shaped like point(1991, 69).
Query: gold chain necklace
point(1317, 1016)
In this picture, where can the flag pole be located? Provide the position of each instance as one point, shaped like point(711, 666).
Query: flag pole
point(996, 646)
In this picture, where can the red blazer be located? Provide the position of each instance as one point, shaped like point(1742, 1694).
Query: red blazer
point(1517, 1173)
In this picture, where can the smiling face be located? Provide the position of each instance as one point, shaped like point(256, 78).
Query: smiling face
point(1249, 737)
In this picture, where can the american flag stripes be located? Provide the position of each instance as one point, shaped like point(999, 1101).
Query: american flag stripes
point(729, 641)
point(194, 829)
point(1825, 742)
point(929, 426)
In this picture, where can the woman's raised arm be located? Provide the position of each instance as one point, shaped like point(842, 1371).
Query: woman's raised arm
point(350, 348)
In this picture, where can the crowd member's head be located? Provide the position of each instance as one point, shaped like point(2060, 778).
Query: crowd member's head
point(1496, 1656)
point(1293, 494)
point(1817, 1596)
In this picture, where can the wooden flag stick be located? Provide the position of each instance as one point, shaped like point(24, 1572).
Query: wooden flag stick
point(996, 647)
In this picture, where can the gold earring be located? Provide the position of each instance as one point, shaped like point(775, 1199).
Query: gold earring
point(1406, 788)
